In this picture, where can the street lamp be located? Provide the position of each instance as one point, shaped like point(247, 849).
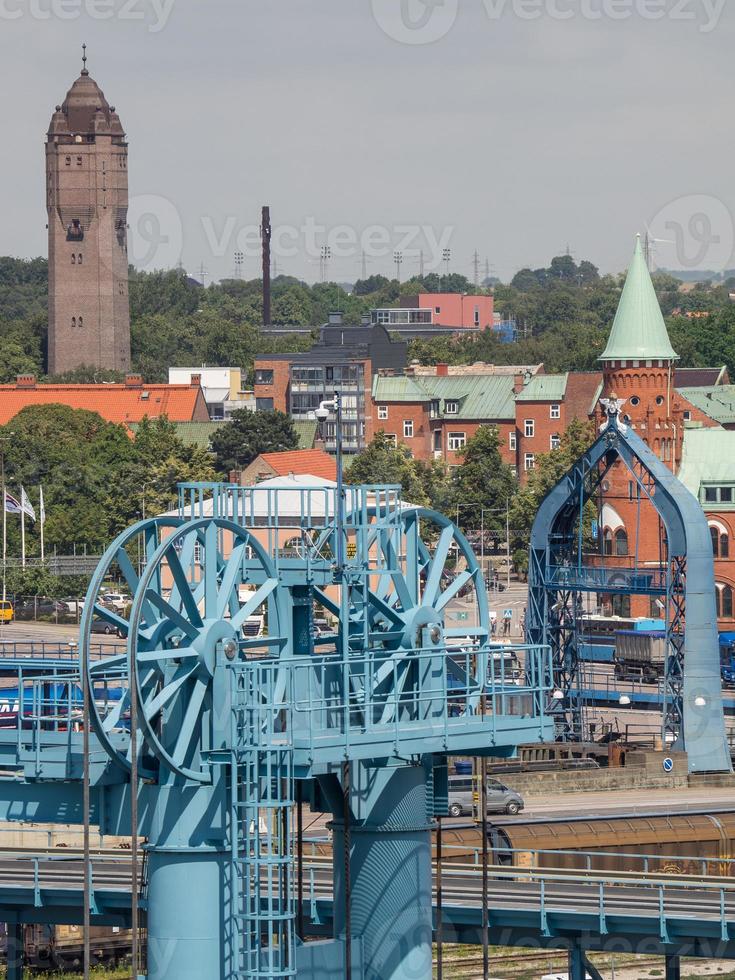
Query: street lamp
point(624, 700)
point(699, 701)
point(322, 414)
point(558, 695)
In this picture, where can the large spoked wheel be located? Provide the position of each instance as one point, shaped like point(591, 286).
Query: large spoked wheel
point(425, 579)
point(107, 676)
point(224, 601)
point(426, 574)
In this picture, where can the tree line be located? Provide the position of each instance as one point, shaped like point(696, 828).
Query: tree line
point(564, 313)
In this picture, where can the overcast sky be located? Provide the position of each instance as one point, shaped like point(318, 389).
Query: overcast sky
point(502, 126)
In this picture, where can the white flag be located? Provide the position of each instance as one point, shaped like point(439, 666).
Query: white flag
point(41, 508)
point(26, 505)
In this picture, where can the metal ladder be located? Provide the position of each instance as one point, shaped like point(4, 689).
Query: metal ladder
point(262, 850)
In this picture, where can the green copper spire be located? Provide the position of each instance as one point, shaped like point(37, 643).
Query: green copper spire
point(639, 332)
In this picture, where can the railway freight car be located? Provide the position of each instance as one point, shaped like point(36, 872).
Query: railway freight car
point(62, 947)
point(687, 843)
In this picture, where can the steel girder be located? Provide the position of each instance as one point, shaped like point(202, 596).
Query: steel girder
point(693, 711)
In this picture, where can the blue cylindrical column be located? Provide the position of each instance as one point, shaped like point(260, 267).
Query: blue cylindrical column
point(186, 914)
point(390, 872)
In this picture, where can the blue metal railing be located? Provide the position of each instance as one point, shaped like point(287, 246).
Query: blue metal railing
point(393, 696)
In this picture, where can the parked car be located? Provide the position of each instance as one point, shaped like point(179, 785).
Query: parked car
point(7, 612)
point(74, 606)
point(115, 600)
point(102, 626)
point(500, 798)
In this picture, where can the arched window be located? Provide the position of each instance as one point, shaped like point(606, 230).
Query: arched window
point(720, 540)
point(724, 601)
point(79, 259)
point(81, 321)
point(73, 321)
point(621, 606)
point(73, 258)
point(607, 541)
point(621, 542)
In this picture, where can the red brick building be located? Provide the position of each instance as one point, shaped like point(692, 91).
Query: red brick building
point(345, 359)
point(434, 411)
point(87, 207)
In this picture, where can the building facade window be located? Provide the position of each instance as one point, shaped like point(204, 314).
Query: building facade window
point(555, 441)
point(512, 441)
point(451, 408)
point(382, 412)
point(555, 412)
point(621, 543)
point(456, 440)
point(529, 427)
point(714, 495)
point(724, 601)
point(392, 439)
point(477, 316)
point(264, 404)
point(687, 416)
point(607, 541)
point(621, 606)
point(408, 428)
point(529, 461)
point(720, 541)
point(264, 376)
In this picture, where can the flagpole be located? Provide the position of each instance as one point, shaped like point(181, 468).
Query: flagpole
point(22, 532)
point(5, 522)
point(42, 516)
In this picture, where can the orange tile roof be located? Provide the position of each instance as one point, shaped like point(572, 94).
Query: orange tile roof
point(114, 402)
point(302, 461)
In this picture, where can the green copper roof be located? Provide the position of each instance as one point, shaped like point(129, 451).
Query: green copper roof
point(639, 332)
point(708, 457)
point(471, 396)
point(544, 388)
point(717, 402)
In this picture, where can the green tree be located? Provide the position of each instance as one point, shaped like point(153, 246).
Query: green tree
point(248, 434)
point(483, 483)
point(383, 462)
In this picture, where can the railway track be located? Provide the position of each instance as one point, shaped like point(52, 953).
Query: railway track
point(470, 967)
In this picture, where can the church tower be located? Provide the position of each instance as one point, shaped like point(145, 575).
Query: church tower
point(638, 368)
point(87, 205)
point(638, 365)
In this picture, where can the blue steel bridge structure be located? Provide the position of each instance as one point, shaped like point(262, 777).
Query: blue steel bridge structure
point(204, 740)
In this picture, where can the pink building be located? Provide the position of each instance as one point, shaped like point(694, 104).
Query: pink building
point(437, 311)
point(455, 309)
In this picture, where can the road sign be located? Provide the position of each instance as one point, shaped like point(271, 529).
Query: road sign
point(507, 614)
point(668, 764)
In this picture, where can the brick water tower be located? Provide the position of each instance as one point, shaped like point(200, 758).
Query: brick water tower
point(87, 205)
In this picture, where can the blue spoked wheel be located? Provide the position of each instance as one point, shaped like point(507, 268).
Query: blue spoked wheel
point(425, 587)
point(107, 675)
point(209, 596)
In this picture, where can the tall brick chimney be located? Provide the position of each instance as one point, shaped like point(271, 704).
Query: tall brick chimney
point(25, 381)
point(442, 370)
point(133, 380)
